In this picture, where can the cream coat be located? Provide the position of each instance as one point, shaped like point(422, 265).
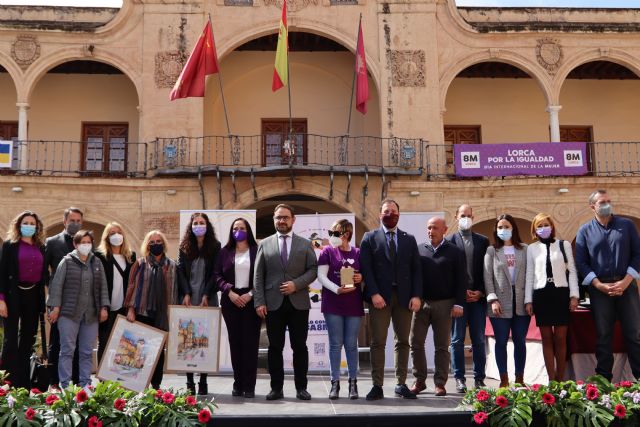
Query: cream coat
point(537, 269)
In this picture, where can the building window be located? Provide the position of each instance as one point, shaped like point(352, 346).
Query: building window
point(104, 147)
point(458, 135)
point(9, 132)
point(576, 134)
point(278, 147)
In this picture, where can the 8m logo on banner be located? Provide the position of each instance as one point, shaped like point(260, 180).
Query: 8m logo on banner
point(572, 158)
point(470, 160)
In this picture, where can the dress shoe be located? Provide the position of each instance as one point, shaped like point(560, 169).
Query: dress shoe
point(249, 394)
point(375, 393)
point(403, 391)
point(335, 390)
point(479, 384)
point(236, 393)
point(353, 388)
point(303, 394)
point(275, 395)
point(418, 387)
point(440, 391)
point(461, 385)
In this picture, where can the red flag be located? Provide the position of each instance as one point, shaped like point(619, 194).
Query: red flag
point(202, 62)
point(362, 82)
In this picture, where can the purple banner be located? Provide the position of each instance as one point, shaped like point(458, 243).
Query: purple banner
point(540, 158)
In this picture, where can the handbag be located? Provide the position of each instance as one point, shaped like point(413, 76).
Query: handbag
point(39, 373)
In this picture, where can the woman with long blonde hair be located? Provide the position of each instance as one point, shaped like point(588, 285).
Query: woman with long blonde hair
point(23, 274)
point(117, 257)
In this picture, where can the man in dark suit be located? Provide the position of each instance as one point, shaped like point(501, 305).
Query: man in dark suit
point(56, 247)
point(285, 267)
point(475, 307)
point(390, 266)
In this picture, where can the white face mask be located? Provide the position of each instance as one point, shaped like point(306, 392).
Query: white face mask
point(84, 248)
point(335, 241)
point(465, 224)
point(116, 239)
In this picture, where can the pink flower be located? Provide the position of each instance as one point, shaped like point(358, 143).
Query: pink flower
point(625, 384)
point(480, 417)
point(548, 399)
point(536, 387)
point(35, 391)
point(502, 401)
point(579, 382)
point(204, 416)
point(2, 392)
point(592, 392)
point(482, 396)
point(159, 394)
point(50, 399)
point(119, 404)
point(81, 396)
point(168, 398)
point(620, 411)
point(94, 422)
point(29, 414)
point(191, 401)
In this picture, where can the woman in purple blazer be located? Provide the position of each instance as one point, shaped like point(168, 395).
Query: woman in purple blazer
point(234, 277)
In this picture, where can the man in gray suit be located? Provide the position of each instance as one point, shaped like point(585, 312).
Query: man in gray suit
point(285, 267)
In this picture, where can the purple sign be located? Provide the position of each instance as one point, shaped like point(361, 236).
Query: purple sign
point(540, 158)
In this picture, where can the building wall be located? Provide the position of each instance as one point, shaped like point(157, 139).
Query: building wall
point(8, 110)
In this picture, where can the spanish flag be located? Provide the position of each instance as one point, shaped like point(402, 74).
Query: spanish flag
point(5, 154)
point(202, 62)
point(281, 72)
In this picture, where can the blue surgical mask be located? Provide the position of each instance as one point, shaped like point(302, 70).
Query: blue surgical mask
point(504, 234)
point(604, 209)
point(27, 230)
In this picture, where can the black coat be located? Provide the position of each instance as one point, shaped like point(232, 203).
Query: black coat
point(108, 263)
point(184, 276)
point(9, 271)
point(56, 248)
point(480, 245)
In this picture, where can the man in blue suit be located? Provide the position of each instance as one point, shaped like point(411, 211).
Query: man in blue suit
point(390, 266)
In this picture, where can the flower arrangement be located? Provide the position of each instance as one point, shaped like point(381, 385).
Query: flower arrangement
point(591, 403)
point(108, 404)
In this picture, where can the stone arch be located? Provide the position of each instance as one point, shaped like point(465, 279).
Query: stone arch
point(13, 70)
point(614, 55)
point(44, 64)
point(304, 187)
point(511, 58)
point(226, 46)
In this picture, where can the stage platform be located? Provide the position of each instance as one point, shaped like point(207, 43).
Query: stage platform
point(320, 411)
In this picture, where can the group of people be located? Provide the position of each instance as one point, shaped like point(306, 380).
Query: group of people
point(447, 283)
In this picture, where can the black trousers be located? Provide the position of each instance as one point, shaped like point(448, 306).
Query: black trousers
point(243, 326)
point(54, 354)
point(156, 378)
point(297, 321)
point(606, 310)
point(20, 329)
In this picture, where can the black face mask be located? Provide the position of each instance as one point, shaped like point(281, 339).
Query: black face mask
point(156, 249)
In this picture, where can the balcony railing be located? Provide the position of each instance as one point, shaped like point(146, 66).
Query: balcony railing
point(272, 154)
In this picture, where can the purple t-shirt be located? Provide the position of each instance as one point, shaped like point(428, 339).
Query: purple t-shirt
point(349, 304)
point(30, 262)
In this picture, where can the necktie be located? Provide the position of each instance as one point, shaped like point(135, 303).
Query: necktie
point(392, 246)
point(284, 257)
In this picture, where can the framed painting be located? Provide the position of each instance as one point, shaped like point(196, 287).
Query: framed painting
point(194, 339)
point(131, 354)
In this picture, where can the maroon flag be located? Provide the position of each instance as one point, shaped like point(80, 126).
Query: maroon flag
point(202, 62)
point(362, 82)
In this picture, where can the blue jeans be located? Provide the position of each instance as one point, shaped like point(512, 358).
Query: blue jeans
point(475, 315)
point(518, 326)
point(85, 334)
point(343, 330)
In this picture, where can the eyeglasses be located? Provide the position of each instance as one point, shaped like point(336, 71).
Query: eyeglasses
point(282, 218)
point(335, 233)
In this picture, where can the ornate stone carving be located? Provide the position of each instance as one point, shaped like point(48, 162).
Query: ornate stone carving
point(292, 5)
point(168, 68)
point(549, 54)
point(407, 68)
point(25, 50)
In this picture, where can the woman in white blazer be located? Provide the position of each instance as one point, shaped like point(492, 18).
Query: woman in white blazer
point(504, 277)
point(551, 291)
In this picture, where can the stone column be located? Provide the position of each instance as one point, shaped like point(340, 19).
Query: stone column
point(554, 122)
point(22, 134)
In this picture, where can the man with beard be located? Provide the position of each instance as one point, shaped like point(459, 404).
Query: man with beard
point(56, 248)
point(608, 257)
point(390, 266)
point(285, 267)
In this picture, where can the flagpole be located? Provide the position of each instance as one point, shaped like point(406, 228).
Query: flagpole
point(224, 104)
point(353, 81)
point(289, 83)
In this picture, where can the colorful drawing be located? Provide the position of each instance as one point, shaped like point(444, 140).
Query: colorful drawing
point(193, 339)
point(131, 355)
